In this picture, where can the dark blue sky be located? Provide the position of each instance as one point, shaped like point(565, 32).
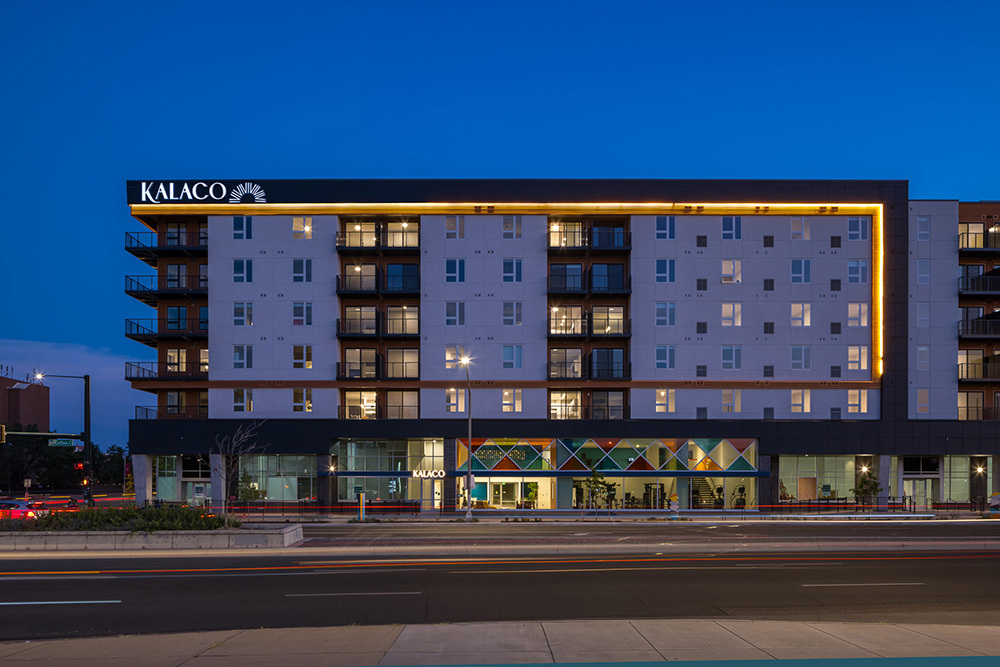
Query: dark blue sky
point(96, 93)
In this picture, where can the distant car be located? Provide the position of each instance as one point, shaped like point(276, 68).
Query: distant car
point(21, 509)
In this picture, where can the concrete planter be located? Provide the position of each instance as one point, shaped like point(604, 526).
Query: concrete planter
point(250, 536)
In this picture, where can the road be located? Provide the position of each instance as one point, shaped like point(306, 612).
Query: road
point(43, 597)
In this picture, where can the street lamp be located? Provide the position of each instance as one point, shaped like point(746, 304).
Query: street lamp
point(468, 407)
point(88, 447)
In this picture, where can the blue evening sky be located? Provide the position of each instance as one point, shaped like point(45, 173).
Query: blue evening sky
point(95, 93)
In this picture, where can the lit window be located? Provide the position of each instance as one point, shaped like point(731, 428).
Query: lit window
point(512, 228)
point(243, 314)
point(857, 314)
point(176, 360)
point(665, 356)
point(857, 400)
point(732, 400)
point(242, 227)
point(923, 400)
point(801, 400)
point(732, 314)
point(801, 358)
point(857, 228)
point(452, 355)
point(800, 229)
point(454, 271)
point(665, 400)
point(665, 227)
point(242, 270)
point(732, 271)
point(512, 270)
point(801, 271)
point(732, 357)
point(454, 227)
point(302, 228)
point(454, 313)
point(242, 356)
point(512, 356)
point(857, 357)
point(665, 314)
point(511, 400)
point(923, 272)
point(732, 228)
point(203, 360)
point(664, 270)
point(857, 270)
point(302, 313)
point(454, 400)
point(512, 313)
point(302, 400)
point(801, 314)
point(923, 228)
point(302, 356)
point(242, 400)
point(302, 270)
point(565, 405)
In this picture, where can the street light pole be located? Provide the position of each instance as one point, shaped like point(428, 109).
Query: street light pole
point(88, 446)
point(468, 407)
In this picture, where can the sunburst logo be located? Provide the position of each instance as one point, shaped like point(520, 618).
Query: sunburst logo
point(247, 193)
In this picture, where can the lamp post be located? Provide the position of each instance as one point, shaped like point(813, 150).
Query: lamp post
point(468, 407)
point(88, 448)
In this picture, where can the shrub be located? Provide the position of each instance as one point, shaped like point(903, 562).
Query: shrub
point(131, 519)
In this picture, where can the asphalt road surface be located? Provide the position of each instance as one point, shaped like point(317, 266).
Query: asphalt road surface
point(61, 597)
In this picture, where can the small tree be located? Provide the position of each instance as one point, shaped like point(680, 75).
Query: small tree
point(242, 442)
point(868, 488)
point(247, 489)
point(595, 487)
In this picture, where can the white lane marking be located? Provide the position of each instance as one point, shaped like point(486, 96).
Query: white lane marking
point(12, 604)
point(629, 569)
point(881, 583)
point(322, 595)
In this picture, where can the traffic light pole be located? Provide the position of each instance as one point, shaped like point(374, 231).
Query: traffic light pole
point(88, 446)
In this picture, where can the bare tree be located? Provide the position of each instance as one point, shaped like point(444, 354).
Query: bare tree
point(242, 442)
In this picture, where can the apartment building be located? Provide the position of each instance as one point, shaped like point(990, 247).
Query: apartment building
point(738, 344)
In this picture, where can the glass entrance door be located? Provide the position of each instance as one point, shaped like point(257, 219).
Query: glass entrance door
point(923, 491)
point(503, 495)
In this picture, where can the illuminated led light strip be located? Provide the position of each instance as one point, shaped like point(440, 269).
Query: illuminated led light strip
point(574, 208)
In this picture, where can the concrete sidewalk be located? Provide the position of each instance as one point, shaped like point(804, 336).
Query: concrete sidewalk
point(517, 642)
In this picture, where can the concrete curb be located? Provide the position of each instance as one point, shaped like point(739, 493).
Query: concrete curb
point(253, 536)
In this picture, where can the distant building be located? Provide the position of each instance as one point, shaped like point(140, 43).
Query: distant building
point(24, 403)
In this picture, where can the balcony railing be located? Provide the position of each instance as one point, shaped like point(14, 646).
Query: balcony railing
point(165, 370)
point(614, 370)
point(559, 326)
point(979, 285)
point(979, 241)
point(358, 240)
point(610, 284)
point(979, 328)
point(357, 327)
point(568, 239)
point(567, 284)
point(402, 284)
point(401, 326)
point(357, 370)
point(566, 370)
point(400, 240)
point(166, 284)
point(357, 284)
point(610, 327)
point(379, 412)
point(402, 370)
point(979, 371)
point(560, 411)
point(166, 240)
point(165, 328)
point(610, 238)
point(171, 411)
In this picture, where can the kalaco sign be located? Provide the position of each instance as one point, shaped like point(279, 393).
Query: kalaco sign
point(427, 473)
point(197, 192)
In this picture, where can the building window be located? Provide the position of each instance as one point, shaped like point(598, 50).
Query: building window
point(923, 228)
point(801, 315)
point(243, 314)
point(768, 328)
point(732, 400)
point(768, 241)
point(203, 360)
point(732, 357)
point(176, 360)
point(453, 354)
point(566, 320)
point(242, 227)
point(732, 228)
point(768, 284)
point(511, 398)
point(801, 400)
point(400, 320)
point(606, 277)
point(454, 313)
point(242, 356)
point(360, 405)
point(769, 371)
point(665, 400)
point(665, 314)
point(302, 313)
point(454, 270)
point(701, 371)
point(665, 227)
point(800, 229)
point(857, 357)
point(665, 356)
point(512, 313)
point(834, 328)
point(923, 358)
point(801, 358)
point(565, 405)
point(701, 241)
point(768, 413)
point(701, 327)
point(857, 270)
point(565, 362)
point(302, 229)
point(302, 400)
point(835, 413)
point(203, 318)
point(177, 318)
point(732, 314)
point(701, 413)
point(923, 272)
point(512, 356)
point(702, 284)
point(835, 371)
point(970, 405)
point(242, 270)
point(608, 404)
point(402, 404)
point(732, 271)
point(512, 270)
point(302, 270)
point(664, 270)
point(857, 228)
point(608, 320)
point(242, 400)
point(454, 227)
point(402, 364)
point(857, 400)
point(834, 241)
point(923, 314)
point(923, 401)
point(801, 271)
point(512, 228)
point(302, 356)
point(454, 400)
point(857, 314)
point(834, 284)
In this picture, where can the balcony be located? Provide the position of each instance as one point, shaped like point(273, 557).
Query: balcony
point(570, 239)
point(357, 284)
point(979, 372)
point(171, 412)
point(357, 370)
point(148, 246)
point(610, 284)
point(610, 327)
point(357, 327)
point(163, 370)
point(398, 242)
point(401, 370)
point(979, 328)
point(614, 239)
point(378, 412)
point(149, 289)
point(402, 285)
point(987, 285)
point(613, 370)
point(561, 411)
point(358, 242)
point(566, 370)
point(567, 284)
point(564, 327)
point(979, 241)
point(150, 331)
point(401, 327)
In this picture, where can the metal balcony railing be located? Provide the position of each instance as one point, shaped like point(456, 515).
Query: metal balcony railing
point(357, 284)
point(608, 326)
point(567, 239)
point(400, 240)
point(357, 326)
point(379, 412)
point(559, 326)
point(401, 284)
point(165, 370)
point(979, 328)
point(615, 370)
point(566, 370)
point(563, 411)
point(610, 238)
point(166, 240)
point(979, 285)
point(979, 371)
point(357, 240)
point(357, 370)
point(171, 412)
point(166, 283)
point(402, 370)
point(979, 241)
point(402, 326)
point(610, 284)
point(568, 284)
point(165, 327)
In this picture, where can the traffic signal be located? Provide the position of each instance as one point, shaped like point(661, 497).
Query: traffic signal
point(77, 466)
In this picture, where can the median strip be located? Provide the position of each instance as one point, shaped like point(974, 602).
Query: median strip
point(15, 604)
point(322, 595)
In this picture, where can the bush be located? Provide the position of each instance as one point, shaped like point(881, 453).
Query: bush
point(132, 519)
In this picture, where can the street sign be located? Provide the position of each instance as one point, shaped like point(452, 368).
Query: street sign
point(61, 442)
